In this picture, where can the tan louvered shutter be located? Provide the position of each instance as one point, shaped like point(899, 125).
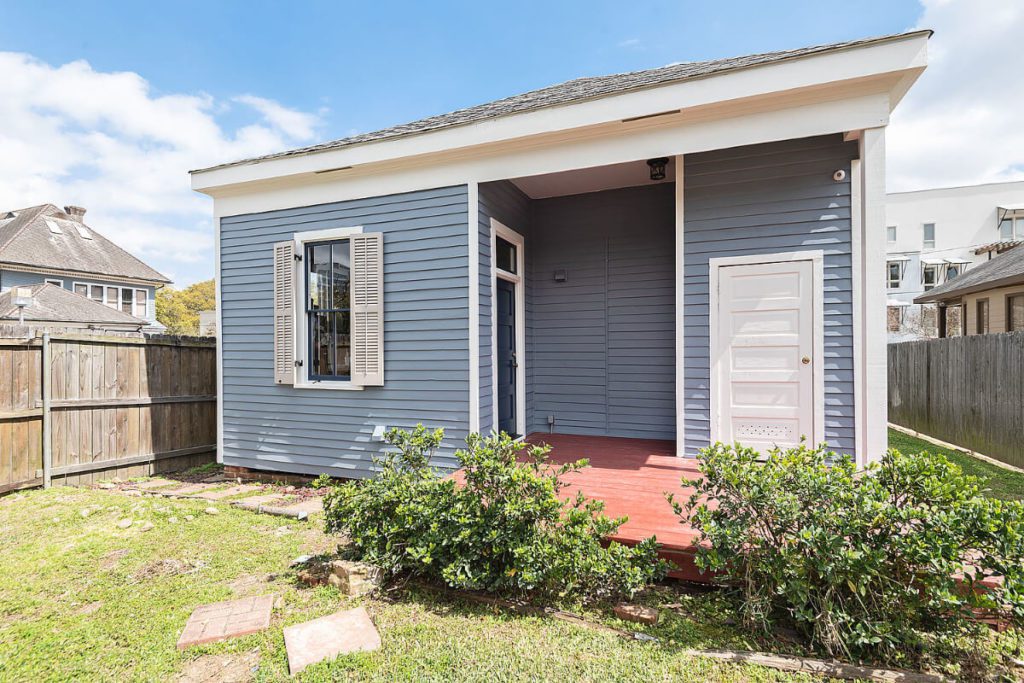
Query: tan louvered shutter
point(368, 309)
point(284, 312)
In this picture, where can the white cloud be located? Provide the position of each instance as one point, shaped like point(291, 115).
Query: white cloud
point(630, 43)
point(963, 122)
point(72, 135)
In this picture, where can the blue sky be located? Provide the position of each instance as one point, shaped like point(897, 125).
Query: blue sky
point(108, 104)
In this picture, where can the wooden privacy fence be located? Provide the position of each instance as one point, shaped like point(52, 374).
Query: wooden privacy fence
point(965, 390)
point(79, 407)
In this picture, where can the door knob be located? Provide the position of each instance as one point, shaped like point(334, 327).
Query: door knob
point(806, 360)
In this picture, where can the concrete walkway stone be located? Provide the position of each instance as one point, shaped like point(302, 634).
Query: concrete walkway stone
point(254, 502)
point(340, 633)
point(224, 493)
point(229, 619)
point(307, 505)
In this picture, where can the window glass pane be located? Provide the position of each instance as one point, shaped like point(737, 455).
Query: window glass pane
point(952, 272)
point(321, 353)
point(340, 275)
point(1015, 313)
point(982, 309)
point(82, 289)
point(929, 234)
point(320, 276)
point(1006, 229)
point(342, 345)
point(96, 293)
point(894, 275)
point(930, 276)
point(505, 256)
point(140, 303)
point(127, 300)
point(112, 297)
point(890, 233)
point(1020, 228)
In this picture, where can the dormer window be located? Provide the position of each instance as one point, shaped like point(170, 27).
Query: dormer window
point(83, 232)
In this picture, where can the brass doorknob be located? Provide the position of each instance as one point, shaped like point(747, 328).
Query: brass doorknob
point(806, 360)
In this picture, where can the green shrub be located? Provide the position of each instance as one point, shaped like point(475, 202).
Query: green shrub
point(863, 563)
point(504, 529)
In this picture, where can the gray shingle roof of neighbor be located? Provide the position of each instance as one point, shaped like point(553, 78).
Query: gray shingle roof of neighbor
point(571, 92)
point(1001, 271)
point(27, 240)
point(51, 303)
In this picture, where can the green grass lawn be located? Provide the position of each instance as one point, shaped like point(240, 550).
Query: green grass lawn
point(1001, 482)
point(84, 600)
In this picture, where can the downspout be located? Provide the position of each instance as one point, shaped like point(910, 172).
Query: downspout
point(47, 445)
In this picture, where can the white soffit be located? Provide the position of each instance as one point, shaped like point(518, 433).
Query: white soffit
point(596, 179)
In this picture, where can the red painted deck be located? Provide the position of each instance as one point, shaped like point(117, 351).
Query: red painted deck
point(632, 476)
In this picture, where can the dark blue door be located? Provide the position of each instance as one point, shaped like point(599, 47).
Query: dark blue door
point(507, 364)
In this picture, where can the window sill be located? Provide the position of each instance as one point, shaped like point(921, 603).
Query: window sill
point(329, 386)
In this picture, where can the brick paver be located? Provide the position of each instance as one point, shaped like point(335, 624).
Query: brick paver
point(328, 637)
point(223, 620)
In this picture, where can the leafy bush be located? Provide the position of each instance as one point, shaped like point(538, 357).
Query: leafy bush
point(504, 528)
point(864, 563)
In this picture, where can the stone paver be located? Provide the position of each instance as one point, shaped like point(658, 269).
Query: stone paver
point(224, 493)
point(223, 620)
point(328, 637)
point(254, 502)
point(307, 505)
point(188, 490)
point(154, 483)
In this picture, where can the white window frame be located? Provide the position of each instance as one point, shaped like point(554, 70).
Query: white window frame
point(924, 269)
point(1013, 228)
point(888, 274)
point(518, 279)
point(894, 234)
point(300, 342)
point(116, 304)
point(925, 242)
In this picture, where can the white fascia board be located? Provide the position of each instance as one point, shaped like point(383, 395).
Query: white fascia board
point(711, 132)
point(903, 58)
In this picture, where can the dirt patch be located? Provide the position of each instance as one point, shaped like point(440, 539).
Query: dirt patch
point(90, 608)
point(251, 583)
point(111, 559)
point(229, 668)
point(167, 567)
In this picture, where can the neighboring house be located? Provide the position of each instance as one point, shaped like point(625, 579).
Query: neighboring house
point(52, 306)
point(988, 298)
point(934, 236)
point(46, 244)
point(689, 253)
point(208, 323)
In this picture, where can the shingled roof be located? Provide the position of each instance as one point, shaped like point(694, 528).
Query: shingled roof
point(53, 304)
point(571, 92)
point(27, 239)
point(1001, 271)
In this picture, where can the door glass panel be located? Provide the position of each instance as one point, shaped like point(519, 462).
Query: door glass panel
point(505, 256)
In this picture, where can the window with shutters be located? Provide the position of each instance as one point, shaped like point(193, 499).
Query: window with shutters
point(328, 310)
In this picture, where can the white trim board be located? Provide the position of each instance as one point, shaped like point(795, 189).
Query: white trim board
point(498, 229)
point(817, 259)
point(473, 243)
point(680, 307)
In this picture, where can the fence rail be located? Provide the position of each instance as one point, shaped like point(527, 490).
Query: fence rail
point(76, 407)
point(965, 390)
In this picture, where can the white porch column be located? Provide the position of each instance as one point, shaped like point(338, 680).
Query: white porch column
point(680, 322)
point(872, 437)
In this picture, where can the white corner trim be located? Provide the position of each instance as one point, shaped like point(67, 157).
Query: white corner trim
point(680, 309)
point(874, 358)
point(857, 263)
point(219, 303)
point(473, 242)
point(817, 259)
point(500, 230)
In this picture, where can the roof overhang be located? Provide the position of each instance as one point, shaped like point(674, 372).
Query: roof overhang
point(82, 275)
point(957, 293)
point(882, 70)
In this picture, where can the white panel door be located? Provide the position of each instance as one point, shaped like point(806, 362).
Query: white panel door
point(764, 354)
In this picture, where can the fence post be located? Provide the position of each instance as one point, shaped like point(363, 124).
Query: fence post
point(47, 440)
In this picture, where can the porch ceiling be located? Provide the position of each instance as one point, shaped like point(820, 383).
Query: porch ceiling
point(595, 179)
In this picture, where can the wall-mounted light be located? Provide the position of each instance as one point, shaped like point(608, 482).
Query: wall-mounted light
point(561, 276)
point(657, 167)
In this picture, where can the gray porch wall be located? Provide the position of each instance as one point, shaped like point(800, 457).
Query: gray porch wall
point(426, 319)
point(602, 359)
point(763, 199)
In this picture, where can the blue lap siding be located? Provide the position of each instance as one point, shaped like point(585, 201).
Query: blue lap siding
point(761, 199)
point(282, 428)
